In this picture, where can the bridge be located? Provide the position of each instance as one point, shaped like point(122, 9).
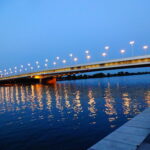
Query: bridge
point(50, 75)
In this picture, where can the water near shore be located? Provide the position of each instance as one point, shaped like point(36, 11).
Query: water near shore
point(71, 115)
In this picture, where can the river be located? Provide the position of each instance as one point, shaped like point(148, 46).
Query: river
point(70, 115)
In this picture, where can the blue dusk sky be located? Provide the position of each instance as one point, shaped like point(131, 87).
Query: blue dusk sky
point(33, 30)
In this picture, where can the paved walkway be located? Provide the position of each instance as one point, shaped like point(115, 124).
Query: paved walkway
point(133, 135)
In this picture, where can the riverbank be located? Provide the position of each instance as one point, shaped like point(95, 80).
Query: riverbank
point(133, 135)
point(99, 75)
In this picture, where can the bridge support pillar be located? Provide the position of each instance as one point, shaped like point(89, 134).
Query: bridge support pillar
point(40, 81)
point(51, 81)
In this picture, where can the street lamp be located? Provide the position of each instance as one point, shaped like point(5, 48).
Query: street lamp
point(54, 63)
point(57, 58)
point(122, 51)
point(106, 47)
point(71, 55)
point(88, 57)
point(38, 66)
point(29, 65)
point(46, 65)
point(132, 46)
point(87, 52)
point(145, 47)
point(75, 59)
point(64, 61)
point(46, 60)
point(37, 62)
point(31, 68)
point(104, 54)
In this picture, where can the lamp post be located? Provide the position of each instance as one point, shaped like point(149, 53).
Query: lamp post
point(46, 60)
point(57, 58)
point(75, 59)
point(54, 63)
point(107, 49)
point(46, 65)
point(145, 47)
point(31, 68)
point(88, 57)
point(132, 47)
point(37, 65)
point(25, 69)
point(122, 51)
point(104, 54)
point(64, 61)
point(70, 56)
point(87, 52)
point(29, 65)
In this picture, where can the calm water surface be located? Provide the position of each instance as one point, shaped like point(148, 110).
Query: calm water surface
point(71, 115)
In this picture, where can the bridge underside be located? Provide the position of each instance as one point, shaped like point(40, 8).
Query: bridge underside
point(29, 80)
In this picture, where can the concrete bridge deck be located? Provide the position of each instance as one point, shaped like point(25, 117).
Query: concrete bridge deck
point(133, 135)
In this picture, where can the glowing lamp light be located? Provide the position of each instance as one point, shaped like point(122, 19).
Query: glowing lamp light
point(46, 65)
point(38, 77)
point(64, 61)
point(107, 47)
point(46, 60)
point(37, 62)
point(87, 51)
point(145, 47)
point(57, 58)
point(132, 43)
point(104, 54)
point(75, 59)
point(88, 57)
point(122, 51)
point(54, 63)
point(70, 55)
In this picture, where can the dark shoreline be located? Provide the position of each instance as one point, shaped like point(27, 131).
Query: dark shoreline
point(99, 75)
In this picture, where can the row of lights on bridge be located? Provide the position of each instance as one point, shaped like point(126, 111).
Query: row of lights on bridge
point(10, 71)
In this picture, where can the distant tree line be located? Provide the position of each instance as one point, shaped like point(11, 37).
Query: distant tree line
point(98, 75)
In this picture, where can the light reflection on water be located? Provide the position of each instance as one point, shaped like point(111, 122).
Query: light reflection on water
point(68, 115)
